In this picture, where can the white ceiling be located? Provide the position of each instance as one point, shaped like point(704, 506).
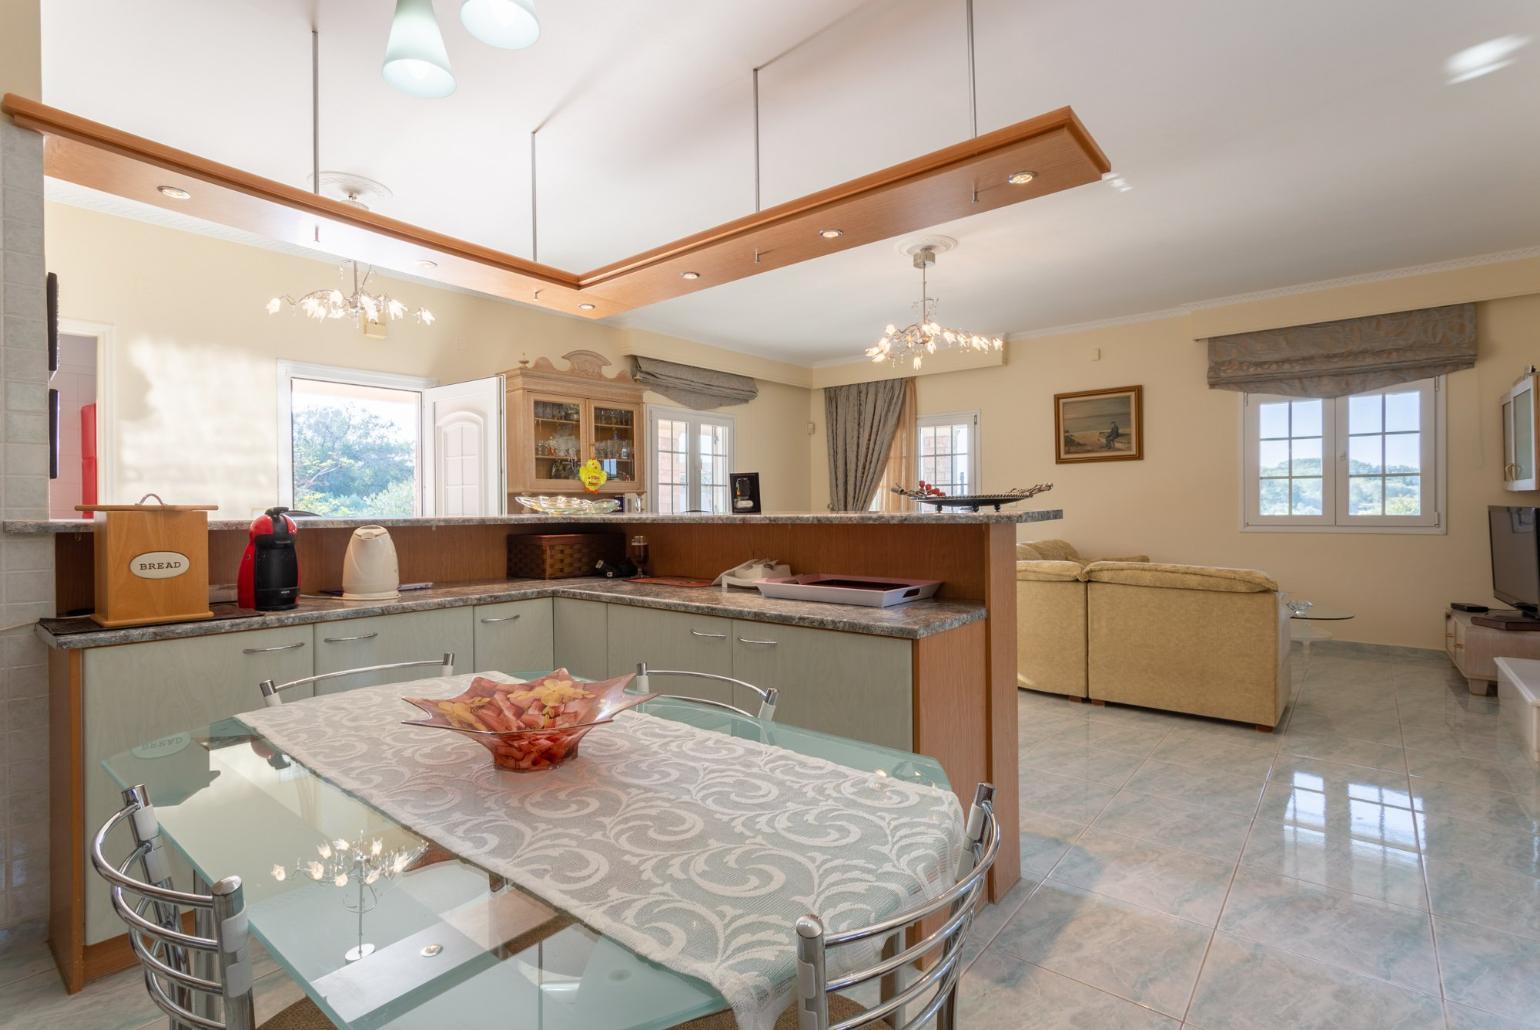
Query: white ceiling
point(1268, 144)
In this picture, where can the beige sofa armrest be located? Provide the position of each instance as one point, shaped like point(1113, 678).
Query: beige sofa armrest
point(1047, 550)
point(1182, 577)
point(1125, 558)
point(1049, 571)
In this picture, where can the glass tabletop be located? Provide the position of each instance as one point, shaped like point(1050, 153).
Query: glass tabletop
point(439, 942)
point(1320, 613)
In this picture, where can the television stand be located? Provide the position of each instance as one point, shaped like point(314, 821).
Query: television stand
point(1474, 648)
point(1507, 621)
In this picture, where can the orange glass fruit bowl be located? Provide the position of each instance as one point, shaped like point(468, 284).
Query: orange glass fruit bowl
point(530, 726)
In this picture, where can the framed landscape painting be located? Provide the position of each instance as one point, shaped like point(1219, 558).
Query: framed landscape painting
point(1099, 425)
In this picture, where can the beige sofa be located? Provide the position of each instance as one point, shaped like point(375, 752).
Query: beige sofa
point(1183, 638)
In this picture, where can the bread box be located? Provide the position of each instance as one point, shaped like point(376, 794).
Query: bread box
point(152, 563)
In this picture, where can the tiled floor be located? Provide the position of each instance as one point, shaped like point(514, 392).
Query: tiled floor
point(1375, 863)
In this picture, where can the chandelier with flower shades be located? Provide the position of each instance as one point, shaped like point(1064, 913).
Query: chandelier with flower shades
point(912, 344)
point(363, 306)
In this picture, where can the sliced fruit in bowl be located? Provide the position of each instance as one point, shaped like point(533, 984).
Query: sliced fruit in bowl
point(533, 725)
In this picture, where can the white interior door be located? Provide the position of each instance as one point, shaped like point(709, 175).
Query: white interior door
point(462, 443)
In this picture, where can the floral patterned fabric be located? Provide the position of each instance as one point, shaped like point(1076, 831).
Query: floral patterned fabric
point(694, 849)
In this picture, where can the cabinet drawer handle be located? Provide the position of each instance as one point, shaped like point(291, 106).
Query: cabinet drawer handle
point(270, 650)
point(343, 640)
point(708, 636)
point(500, 618)
point(760, 643)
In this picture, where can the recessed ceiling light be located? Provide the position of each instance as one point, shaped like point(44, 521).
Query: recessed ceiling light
point(174, 192)
point(585, 307)
point(1020, 178)
point(831, 234)
point(426, 263)
point(1483, 58)
point(689, 275)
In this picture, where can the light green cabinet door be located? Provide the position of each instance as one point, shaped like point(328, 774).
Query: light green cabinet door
point(672, 640)
point(147, 695)
point(579, 632)
point(516, 636)
point(382, 639)
point(849, 684)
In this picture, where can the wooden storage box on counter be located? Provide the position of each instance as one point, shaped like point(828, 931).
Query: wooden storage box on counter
point(561, 555)
point(152, 563)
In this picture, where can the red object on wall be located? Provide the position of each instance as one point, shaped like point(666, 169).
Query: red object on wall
point(87, 456)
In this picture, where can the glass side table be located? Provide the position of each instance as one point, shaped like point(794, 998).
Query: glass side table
point(1306, 620)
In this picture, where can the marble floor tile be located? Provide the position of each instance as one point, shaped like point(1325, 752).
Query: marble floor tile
point(1356, 933)
point(1338, 780)
point(1197, 785)
point(1464, 769)
point(999, 991)
point(1490, 970)
point(1063, 797)
point(22, 958)
point(1214, 832)
point(988, 920)
point(1379, 727)
point(1187, 749)
point(1081, 761)
point(1502, 813)
point(1248, 986)
point(118, 1002)
point(1357, 847)
point(1491, 895)
point(1179, 883)
point(1344, 750)
point(1457, 840)
point(1467, 1017)
point(1044, 840)
point(1136, 953)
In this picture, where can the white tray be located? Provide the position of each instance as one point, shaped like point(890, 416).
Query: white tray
point(872, 591)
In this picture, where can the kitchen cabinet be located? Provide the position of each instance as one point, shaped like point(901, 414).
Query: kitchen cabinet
point(557, 420)
point(674, 640)
point(143, 696)
point(847, 684)
point(382, 639)
point(579, 632)
point(1521, 435)
point(515, 636)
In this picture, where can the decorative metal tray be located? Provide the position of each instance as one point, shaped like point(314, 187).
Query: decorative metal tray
point(973, 502)
point(548, 505)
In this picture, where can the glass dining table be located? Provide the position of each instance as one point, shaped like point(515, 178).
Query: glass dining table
point(444, 943)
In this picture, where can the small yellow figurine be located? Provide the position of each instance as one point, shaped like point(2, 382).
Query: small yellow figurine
point(592, 475)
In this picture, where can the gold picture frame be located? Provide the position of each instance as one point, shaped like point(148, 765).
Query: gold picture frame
point(1099, 425)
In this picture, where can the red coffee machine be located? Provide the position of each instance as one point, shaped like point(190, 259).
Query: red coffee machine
point(269, 578)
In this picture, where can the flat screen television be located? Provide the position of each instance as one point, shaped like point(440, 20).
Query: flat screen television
point(1515, 557)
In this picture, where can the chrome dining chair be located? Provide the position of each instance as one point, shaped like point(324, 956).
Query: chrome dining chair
point(200, 979)
point(936, 987)
point(271, 690)
point(767, 695)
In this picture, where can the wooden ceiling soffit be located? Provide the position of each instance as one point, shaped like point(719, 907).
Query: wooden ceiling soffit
point(967, 178)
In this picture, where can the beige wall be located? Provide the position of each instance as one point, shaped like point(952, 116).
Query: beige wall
point(1183, 502)
point(191, 408)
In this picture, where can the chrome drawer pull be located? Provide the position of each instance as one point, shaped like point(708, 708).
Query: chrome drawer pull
point(500, 618)
point(343, 640)
point(270, 650)
point(761, 643)
point(708, 636)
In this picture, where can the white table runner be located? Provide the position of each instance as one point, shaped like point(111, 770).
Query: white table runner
point(694, 849)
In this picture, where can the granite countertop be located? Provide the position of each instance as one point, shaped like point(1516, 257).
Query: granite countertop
point(909, 621)
point(35, 527)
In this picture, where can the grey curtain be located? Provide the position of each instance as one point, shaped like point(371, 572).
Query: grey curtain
point(698, 388)
point(861, 420)
point(1333, 359)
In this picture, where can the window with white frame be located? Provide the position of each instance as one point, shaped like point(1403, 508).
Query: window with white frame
point(1371, 461)
point(349, 441)
point(692, 454)
point(948, 451)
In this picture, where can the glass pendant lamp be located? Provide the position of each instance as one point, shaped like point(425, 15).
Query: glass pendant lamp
point(415, 59)
point(510, 24)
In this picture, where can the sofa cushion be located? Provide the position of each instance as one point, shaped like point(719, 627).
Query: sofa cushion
point(1049, 571)
point(1047, 550)
point(1182, 577)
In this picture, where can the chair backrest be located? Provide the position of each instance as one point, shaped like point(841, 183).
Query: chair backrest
point(201, 979)
point(767, 695)
point(936, 987)
point(271, 690)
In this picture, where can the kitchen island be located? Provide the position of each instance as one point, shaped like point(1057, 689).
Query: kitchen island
point(935, 677)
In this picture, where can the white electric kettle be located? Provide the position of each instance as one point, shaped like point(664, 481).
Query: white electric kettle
point(369, 570)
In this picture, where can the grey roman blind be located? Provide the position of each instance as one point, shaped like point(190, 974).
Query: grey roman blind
point(698, 388)
point(1334, 359)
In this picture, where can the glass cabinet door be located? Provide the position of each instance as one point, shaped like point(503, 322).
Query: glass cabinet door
point(557, 438)
point(1522, 429)
point(616, 441)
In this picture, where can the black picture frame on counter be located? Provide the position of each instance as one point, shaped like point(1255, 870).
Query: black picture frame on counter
point(745, 493)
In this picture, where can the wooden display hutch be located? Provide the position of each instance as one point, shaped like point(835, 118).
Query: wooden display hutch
point(558, 419)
